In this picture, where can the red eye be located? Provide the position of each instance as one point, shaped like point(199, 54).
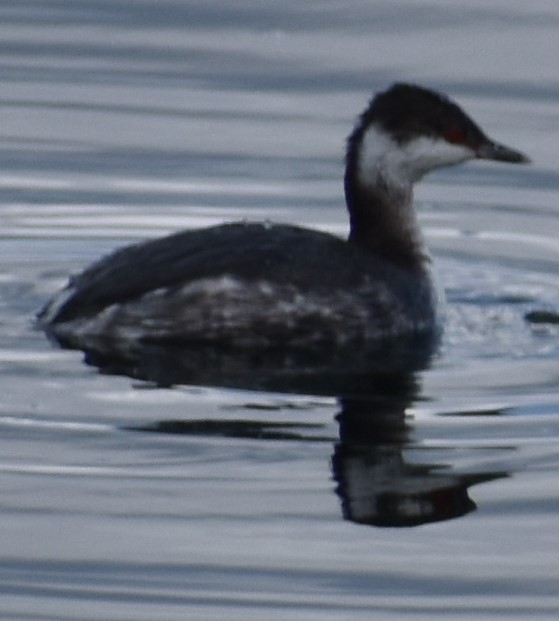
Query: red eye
point(455, 135)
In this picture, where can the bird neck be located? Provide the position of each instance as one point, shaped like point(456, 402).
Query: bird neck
point(383, 221)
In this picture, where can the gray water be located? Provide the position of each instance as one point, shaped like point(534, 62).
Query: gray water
point(125, 120)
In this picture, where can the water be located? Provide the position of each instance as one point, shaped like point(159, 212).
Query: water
point(123, 120)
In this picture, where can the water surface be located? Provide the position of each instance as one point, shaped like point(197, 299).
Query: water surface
point(434, 496)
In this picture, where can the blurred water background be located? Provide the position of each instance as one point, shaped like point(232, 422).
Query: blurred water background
point(127, 119)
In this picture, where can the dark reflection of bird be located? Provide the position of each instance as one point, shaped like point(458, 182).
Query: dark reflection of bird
point(378, 485)
point(252, 286)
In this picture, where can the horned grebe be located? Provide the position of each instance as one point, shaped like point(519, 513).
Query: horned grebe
point(266, 285)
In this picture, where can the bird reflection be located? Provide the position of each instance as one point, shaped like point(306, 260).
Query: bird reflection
point(377, 483)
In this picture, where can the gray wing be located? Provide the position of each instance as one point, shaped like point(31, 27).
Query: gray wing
point(283, 254)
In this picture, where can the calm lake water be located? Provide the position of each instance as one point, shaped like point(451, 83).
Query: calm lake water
point(426, 496)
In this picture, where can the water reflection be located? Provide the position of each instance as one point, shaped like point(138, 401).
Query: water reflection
point(340, 371)
point(377, 482)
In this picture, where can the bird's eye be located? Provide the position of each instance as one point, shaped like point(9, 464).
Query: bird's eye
point(455, 135)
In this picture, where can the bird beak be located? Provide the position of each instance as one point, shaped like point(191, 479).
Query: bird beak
point(494, 151)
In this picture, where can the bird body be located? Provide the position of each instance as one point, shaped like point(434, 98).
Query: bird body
point(253, 285)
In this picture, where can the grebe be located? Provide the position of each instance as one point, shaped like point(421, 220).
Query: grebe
point(253, 285)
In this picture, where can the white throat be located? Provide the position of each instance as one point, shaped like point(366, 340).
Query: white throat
point(383, 162)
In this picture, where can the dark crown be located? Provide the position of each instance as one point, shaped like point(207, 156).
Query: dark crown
point(406, 111)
